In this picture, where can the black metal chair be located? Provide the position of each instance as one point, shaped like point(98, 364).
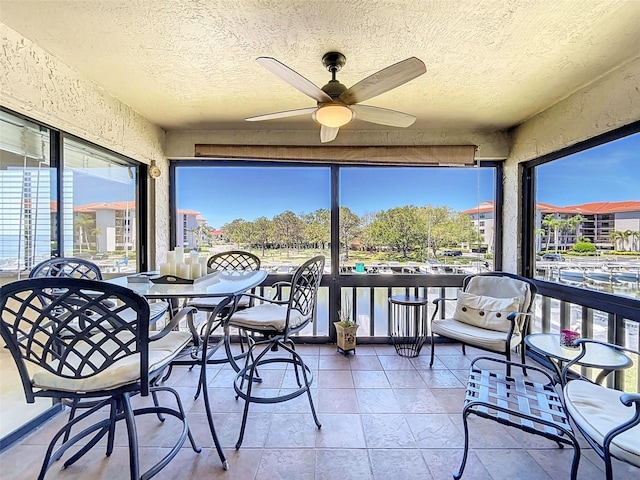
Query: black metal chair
point(277, 321)
point(104, 356)
point(70, 267)
point(609, 419)
point(67, 267)
point(233, 260)
point(492, 313)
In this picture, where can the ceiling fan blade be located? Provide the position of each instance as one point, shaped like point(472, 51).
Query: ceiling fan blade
point(328, 134)
point(384, 80)
point(293, 78)
point(283, 114)
point(383, 116)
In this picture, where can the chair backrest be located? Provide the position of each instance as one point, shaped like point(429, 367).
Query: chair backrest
point(233, 260)
point(502, 285)
point(80, 328)
point(304, 286)
point(67, 268)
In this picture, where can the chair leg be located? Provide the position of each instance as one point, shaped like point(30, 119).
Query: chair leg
point(508, 355)
point(113, 414)
point(465, 424)
point(523, 354)
point(132, 434)
point(433, 349)
point(203, 385)
point(464, 351)
point(72, 414)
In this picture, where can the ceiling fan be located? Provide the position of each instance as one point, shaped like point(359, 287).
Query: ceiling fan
point(337, 104)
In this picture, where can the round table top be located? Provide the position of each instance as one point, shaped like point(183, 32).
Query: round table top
point(597, 356)
point(408, 300)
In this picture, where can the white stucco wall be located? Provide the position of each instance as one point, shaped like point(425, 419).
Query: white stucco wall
point(35, 84)
point(608, 103)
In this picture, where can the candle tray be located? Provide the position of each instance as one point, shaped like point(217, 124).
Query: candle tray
point(171, 279)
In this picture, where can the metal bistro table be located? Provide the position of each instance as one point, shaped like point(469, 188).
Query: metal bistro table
point(598, 356)
point(225, 284)
point(228, 286)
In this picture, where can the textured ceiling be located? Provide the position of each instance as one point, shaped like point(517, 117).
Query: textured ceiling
point(189, 64)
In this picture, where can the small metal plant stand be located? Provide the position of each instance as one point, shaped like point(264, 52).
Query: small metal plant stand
point(408, 324)
point(533, 407)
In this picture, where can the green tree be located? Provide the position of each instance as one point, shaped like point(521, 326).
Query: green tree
point(317, 227)
point(400, 227)
point(262, 232)
point(83, 224)
point(236, 231)
point(288, 229)
point(552, 224)
point(616, 236)
point(448, 228)
point(202, 235)
point(350, 228)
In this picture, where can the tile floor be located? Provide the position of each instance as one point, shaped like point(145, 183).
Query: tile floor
point(383, 417)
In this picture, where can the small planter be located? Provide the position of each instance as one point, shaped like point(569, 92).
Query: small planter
point(346, 338)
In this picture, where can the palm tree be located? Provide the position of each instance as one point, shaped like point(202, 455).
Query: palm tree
point(616, 236)
point(635, 235)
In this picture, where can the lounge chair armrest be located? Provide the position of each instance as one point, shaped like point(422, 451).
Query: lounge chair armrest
point(629, 398)
point(513, 315)
point(442, 299)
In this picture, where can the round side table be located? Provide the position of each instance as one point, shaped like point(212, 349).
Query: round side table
point(408, 324)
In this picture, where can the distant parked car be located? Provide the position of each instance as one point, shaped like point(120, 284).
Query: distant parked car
point(552, 257)
point(100, 256)
point(452, 253)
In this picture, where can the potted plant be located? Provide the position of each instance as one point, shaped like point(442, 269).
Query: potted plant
point(346, 328)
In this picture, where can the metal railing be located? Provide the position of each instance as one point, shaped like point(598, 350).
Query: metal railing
point(599, 315)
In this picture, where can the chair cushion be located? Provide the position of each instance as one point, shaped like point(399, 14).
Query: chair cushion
point(597, 410)
point(210, 303)
point(123, 371)
point(502, 287)
point(266, 316)
point(485, 312)
point(492, 340)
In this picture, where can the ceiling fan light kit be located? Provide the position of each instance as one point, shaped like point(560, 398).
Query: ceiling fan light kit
point(336, 104)
point(334, 116)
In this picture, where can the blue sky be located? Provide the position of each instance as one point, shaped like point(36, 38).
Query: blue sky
point(610, 172)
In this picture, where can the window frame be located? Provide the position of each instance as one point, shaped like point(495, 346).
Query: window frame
point(335, 195)
point(56, 146)
point(529, 187)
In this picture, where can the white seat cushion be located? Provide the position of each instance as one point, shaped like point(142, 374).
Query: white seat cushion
point(124, 371)
point(598, 410)
point(266, 316)
point(472, 335)
point(210, 303)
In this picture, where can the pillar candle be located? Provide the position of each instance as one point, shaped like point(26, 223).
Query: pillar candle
point(194, 256)
point(179, 255)
point(203, 262)
point(187, 261)
point(171, 257)
point(184, 271)
point(196, 270)
point(165, 269)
